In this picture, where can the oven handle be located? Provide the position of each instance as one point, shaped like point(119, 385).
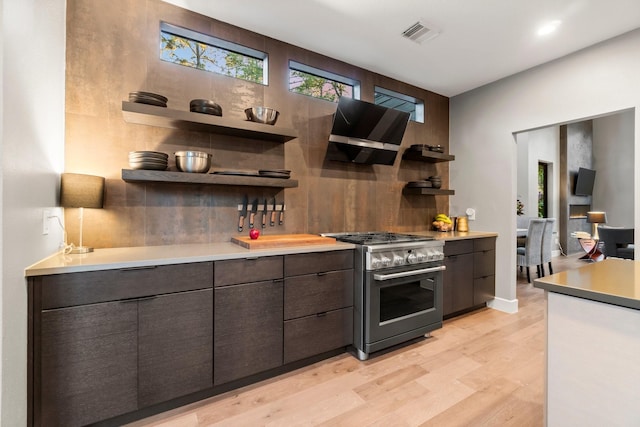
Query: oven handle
point(381, 277)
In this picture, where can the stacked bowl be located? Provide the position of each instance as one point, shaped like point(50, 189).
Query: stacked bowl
point(436, 181)
point(205, 106)
point(152, 160)
point(148, 98)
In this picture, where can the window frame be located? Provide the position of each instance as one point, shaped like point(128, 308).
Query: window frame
point(209, 40)
point(418, 103)
point(318, 72)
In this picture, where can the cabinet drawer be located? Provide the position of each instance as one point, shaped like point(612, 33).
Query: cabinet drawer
point(312, 335)
point(317, 293)
point(484, 263)
point(456, 247)
point(483, 289)
point(71, 289)
point(317, 262)
point(247, 270)
point(484, 244)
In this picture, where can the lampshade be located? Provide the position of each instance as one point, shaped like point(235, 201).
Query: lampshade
point(596, 217)
point(81, 191)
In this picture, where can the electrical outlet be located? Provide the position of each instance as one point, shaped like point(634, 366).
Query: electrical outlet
point(45, 221)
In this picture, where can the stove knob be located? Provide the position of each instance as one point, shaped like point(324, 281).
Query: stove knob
point(385, 261)
point(421, 257)
point(398, 260)
point(376, 263)
point(412, 258)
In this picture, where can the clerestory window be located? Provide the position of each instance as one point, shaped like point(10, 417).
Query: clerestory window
point(399, 101)
point(311, 81)
point(203, 52)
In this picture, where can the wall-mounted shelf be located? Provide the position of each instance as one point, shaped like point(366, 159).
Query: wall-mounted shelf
point(131, 175)
point(151, 115)
point(427, 156)
point(428, 191)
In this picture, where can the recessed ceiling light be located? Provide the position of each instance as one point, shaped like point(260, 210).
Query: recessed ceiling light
point(549, 27)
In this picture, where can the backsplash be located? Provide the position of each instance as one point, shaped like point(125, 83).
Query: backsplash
point(113, 49)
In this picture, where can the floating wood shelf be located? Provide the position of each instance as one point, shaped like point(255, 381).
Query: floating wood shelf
point(131, 175)
point(427, 156)
point(428, 191)
point(151, 115)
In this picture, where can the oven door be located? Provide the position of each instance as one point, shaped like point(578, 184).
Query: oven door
point(402, 303)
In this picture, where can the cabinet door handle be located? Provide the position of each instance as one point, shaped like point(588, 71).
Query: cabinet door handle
point(278, 280)
point(142, 267)
point(321, 314)
point(322, 273)
point(126, 301)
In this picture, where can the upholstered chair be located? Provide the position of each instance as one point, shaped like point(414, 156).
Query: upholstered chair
point(547, 244)
point(531, 253)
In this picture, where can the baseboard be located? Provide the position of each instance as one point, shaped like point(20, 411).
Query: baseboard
point(501, 304)
point(555, 253)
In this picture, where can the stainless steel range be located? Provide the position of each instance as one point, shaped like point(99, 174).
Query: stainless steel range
point(398, 288)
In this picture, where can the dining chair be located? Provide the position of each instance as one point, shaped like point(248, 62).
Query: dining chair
point(531, 253)
point(547, 244)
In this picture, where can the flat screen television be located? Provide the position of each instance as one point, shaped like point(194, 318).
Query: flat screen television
point(584, 182)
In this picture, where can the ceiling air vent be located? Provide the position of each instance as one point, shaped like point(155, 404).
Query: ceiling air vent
point(419, 33)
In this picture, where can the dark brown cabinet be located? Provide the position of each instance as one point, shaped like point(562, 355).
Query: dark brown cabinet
point(114, 345)
point(469, 278)
point(484, 270)
point(175, 345)
point(458, 283)
point(88, 364)
point(102, 347)
point(318, 303)
point(248, 317)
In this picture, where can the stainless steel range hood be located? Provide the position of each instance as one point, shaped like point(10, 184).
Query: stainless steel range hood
point(366, 133)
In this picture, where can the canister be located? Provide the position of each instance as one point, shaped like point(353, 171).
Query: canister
point(463, 223)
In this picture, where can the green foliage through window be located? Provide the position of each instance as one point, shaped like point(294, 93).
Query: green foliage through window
point(199, 51)
point(542, 189)
point(321, 84)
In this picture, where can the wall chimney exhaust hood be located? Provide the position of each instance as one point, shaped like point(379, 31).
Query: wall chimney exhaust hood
point(366, 133)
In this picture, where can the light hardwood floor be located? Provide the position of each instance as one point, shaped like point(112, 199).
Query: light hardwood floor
point(485, 368)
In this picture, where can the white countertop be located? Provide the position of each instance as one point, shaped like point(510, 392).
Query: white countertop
point(143, 256)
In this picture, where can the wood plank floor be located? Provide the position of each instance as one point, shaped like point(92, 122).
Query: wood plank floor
point(485, 368)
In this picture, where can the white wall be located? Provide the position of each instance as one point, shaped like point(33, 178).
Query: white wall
point(523, 171)
point(613, 162)
point(541, 145)
point(33, 62)
point(601, 79)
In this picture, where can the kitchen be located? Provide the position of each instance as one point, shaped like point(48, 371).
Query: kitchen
point(489, 165)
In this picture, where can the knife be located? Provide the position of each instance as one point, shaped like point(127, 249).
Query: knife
point(243, 213)
point(281, 220)
point(254, 210)
point(273, 213)
point(264, 214)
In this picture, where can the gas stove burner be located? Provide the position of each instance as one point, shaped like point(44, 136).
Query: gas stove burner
point(377, 238)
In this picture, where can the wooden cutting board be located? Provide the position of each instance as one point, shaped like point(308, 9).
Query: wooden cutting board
point(279, 240)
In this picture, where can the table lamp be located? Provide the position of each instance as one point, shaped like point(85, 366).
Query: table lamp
point(81, 191)
point(596, 218)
